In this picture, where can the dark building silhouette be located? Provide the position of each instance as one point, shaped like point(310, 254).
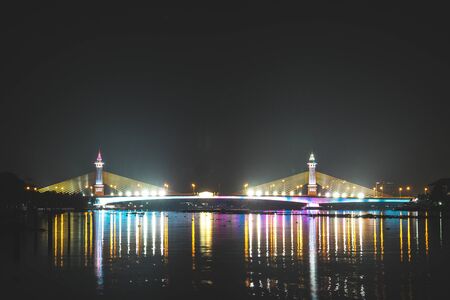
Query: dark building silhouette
point(440, 191)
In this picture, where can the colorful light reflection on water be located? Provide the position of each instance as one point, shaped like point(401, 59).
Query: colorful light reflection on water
point(266, 255)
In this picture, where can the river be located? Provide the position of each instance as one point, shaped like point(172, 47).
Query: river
point(283, 255)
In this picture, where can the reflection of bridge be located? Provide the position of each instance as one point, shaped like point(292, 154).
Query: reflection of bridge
point(308, 201)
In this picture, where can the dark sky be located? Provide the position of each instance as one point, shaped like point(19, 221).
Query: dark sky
point(226, 95)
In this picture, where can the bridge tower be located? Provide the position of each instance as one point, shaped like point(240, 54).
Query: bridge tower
point(312, 183)
point(99, 187)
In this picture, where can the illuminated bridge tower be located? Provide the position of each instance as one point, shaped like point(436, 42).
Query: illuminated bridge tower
point(99, 187)
point(312, 183)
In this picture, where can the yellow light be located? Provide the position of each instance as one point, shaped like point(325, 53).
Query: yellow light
point(193, 185)
point(28, 187)
point(408, 188)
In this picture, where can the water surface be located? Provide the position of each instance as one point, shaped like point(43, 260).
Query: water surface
point(203, 255)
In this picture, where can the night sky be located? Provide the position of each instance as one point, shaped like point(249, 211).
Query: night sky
point(226, 95)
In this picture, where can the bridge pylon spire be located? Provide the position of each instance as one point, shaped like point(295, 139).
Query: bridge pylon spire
point(99, 186)
point(312, 182)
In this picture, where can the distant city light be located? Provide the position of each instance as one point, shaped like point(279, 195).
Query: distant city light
point(275, 193)
point(336, 195)
point(291, 193)
point(128, 193)
point(360, 195)
point(120, 193)
point(250, 192)
point(327, 194)
point(258, 193)
point(344, 195)
point(162, 193)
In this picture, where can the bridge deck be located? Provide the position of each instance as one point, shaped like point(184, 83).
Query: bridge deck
point(310, 201)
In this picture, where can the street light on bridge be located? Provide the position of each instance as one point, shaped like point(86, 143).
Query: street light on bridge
point(400, 189)
point(245, 188)
point(193, 188)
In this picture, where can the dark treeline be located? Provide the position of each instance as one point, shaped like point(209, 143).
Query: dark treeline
point(18, 194)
